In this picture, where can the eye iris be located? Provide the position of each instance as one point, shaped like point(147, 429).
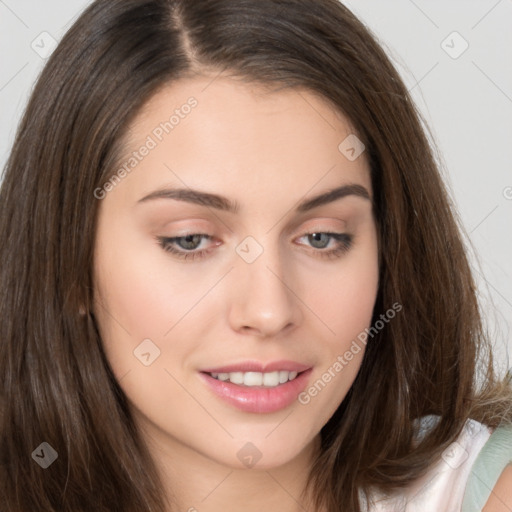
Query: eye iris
point(319, 240)
point(189, 242)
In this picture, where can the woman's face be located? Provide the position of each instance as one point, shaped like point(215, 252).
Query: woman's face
point(226, 294)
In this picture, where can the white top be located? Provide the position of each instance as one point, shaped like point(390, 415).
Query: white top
point(454, 483)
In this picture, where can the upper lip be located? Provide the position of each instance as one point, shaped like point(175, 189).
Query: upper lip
point(256, 366)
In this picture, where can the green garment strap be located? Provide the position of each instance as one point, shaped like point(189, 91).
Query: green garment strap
point(487, 468)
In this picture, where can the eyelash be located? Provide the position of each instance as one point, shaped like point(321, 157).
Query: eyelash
point(344, 244)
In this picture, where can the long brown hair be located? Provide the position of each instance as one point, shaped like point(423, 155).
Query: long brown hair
point(56, 385)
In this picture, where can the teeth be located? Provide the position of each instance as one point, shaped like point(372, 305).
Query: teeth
point(236, 377)
point(271, 380)
point(250, 379)
point(253, 379)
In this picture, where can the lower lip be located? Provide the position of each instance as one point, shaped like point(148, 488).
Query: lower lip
point(258, 399)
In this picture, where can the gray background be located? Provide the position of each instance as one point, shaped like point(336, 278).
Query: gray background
point(465, 97)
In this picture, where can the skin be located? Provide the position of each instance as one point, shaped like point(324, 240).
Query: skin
point(500, 499)
point(267, 151)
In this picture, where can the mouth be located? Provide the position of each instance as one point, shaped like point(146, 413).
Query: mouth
point(256, 388)
point(256, 379)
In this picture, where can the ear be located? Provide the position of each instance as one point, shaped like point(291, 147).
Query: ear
point(82, 311)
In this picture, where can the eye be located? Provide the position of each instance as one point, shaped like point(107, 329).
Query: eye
point(185, 246)
point(321, 241)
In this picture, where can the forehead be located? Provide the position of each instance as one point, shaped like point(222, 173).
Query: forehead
point(220, 131)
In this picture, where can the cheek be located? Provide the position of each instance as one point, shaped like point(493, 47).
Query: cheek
point(137, 298)
point(344, 301)
point(347, 312)
point(348, 303)
point(140, 283)
point(344, 298)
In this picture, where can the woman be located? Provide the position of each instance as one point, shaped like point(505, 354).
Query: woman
point(232, 276)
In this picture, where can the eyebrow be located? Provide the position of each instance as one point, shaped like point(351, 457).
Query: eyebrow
point(224, 204)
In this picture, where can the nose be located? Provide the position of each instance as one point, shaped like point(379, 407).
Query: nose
point(263, 301)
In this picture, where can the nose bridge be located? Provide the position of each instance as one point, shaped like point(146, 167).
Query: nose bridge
point(263, 300)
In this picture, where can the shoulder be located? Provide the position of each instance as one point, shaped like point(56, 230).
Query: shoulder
point(489, 488)
point(500, 499)
point(474, 474)
point(443, 486)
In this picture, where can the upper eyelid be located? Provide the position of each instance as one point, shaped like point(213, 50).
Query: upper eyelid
point(301, 234)
point(288, 231)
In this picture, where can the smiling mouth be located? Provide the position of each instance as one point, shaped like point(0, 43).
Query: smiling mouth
point(257, 379)
point(258, 391)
